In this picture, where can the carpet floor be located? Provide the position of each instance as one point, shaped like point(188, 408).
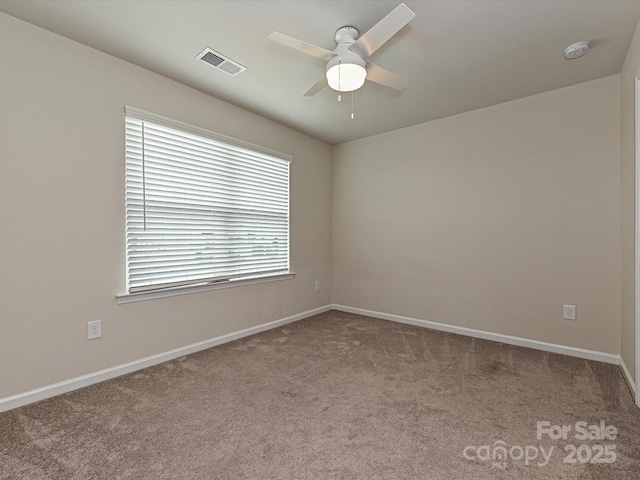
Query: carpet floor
point(337, 396)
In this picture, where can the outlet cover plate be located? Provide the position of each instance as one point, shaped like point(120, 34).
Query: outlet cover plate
point(94, 329)
point(569, 312)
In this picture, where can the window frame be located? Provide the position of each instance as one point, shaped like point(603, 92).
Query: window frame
point(199, 285)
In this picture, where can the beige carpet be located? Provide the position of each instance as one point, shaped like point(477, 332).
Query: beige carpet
point(336, 396)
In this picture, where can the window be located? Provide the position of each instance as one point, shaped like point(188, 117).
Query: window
point(201, 208)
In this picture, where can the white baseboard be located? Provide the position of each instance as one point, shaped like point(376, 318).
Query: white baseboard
point(18, 400)
point(496, 337)
point(629, 379)
point(21, 399)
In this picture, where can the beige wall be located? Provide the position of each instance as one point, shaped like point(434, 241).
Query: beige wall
point(491, 219)
point(630, 71)
point(62, 214)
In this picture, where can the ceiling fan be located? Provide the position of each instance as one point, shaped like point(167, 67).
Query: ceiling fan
point(347, 65)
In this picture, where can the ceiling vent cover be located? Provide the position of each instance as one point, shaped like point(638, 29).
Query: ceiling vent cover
point(220, 62)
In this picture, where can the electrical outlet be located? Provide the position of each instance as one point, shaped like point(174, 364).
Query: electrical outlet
point(317, 285)
point(94, 329)
point(569, 312)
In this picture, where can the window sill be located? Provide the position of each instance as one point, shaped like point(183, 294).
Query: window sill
point(187, 290)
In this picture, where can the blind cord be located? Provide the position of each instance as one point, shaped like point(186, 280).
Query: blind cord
point(144, 185)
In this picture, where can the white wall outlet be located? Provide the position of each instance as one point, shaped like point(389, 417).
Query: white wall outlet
point(317, 285)
point(94, 329)
point(569, 312)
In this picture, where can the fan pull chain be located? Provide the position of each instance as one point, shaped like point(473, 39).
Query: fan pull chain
point(351, 104)
point(339, 81)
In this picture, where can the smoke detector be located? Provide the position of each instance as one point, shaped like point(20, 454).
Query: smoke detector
point(576, 50)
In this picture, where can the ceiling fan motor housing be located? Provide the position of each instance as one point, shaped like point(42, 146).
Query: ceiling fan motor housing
point(346, 33)
point(347, 70)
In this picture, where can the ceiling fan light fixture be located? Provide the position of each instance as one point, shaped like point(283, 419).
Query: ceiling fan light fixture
point(346, 76)
point(347, 66)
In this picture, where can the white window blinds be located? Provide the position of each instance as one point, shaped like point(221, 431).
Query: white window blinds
point(201, 207)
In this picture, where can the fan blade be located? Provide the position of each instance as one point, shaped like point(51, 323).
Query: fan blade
point(382, 31)
point(305, 47)
point(319, 85)
point(384, 77)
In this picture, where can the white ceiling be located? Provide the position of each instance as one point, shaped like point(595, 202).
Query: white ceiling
point(456, 56)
